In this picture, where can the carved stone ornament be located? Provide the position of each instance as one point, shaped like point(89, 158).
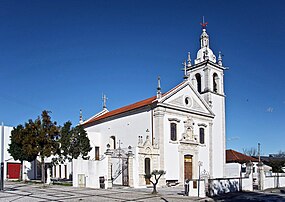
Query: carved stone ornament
point(188, 135)
point(146, 147)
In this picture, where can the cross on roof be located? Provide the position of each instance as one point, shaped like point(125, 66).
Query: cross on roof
point(104, 98)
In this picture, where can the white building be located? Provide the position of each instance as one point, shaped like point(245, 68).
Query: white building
point(172, 131)
point(12, 168)
point(30, 170)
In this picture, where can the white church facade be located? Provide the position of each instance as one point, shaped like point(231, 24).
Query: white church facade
point(179, 131)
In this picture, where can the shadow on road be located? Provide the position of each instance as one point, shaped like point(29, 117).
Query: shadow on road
point(250, 196)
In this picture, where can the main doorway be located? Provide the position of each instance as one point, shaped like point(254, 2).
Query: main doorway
point(187, 167)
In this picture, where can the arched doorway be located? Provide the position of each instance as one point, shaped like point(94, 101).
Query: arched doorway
point(187, 167)
point(147, 168)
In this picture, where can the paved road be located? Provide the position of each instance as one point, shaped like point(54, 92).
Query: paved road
point(35, 192)
point(20, 192)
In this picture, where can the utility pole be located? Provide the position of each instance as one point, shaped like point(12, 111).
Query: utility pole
point(2, 160)
point(199, 164)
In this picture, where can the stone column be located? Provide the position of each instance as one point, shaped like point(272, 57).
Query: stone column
point(108, 154)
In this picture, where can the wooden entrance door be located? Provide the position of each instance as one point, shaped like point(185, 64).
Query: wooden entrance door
point(188, 167)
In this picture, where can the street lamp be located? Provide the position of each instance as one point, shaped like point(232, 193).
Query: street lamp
point(200, 163)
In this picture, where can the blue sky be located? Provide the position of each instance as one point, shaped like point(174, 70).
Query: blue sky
point(62, 55)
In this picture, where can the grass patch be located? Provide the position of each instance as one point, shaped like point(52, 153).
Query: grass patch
point(62, 183)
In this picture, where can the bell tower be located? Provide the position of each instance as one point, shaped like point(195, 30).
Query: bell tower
point(207, 77)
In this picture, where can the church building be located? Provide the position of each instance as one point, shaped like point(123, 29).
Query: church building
point(180, 131)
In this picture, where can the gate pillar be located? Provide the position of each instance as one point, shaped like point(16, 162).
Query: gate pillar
point(130, 168)
point(108, 154)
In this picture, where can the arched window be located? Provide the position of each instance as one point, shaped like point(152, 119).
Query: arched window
point(202, 135)
point(215, 83)
point(198, 79)
point(173, 131)
point(147, 168)
point(113, 142)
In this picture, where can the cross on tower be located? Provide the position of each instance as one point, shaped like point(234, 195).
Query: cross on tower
point(203, 24)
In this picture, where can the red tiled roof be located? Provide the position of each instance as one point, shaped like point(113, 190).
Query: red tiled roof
point(123, 109)
point(234, 156)
point(130, 107)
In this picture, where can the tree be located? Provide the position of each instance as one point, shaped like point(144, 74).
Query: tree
point(280, 154)
point(74, 142)
point(157, 175)
point(46, 133)
point(37, 138)
point(18, 146)
point(277, 165)
point(250, 152)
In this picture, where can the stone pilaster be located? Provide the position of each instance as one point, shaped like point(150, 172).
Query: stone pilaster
point(159, 134)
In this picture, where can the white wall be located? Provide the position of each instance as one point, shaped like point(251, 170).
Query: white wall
point(218, 136)
point(92, 171)
point(194, 191)
point(273, 182)
point(226, 185)
point(232, 170)
point(126, 129)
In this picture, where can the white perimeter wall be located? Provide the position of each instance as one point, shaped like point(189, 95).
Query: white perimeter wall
point(221, 186)
point(92, 171)
point(273, 182)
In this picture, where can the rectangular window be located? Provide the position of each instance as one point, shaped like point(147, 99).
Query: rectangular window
point(97, 154)
point(202, 136)
point(173, 131)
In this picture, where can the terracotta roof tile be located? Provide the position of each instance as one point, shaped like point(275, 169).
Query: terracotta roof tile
point(123, 109)
point(131, 106)
point(234, 156)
